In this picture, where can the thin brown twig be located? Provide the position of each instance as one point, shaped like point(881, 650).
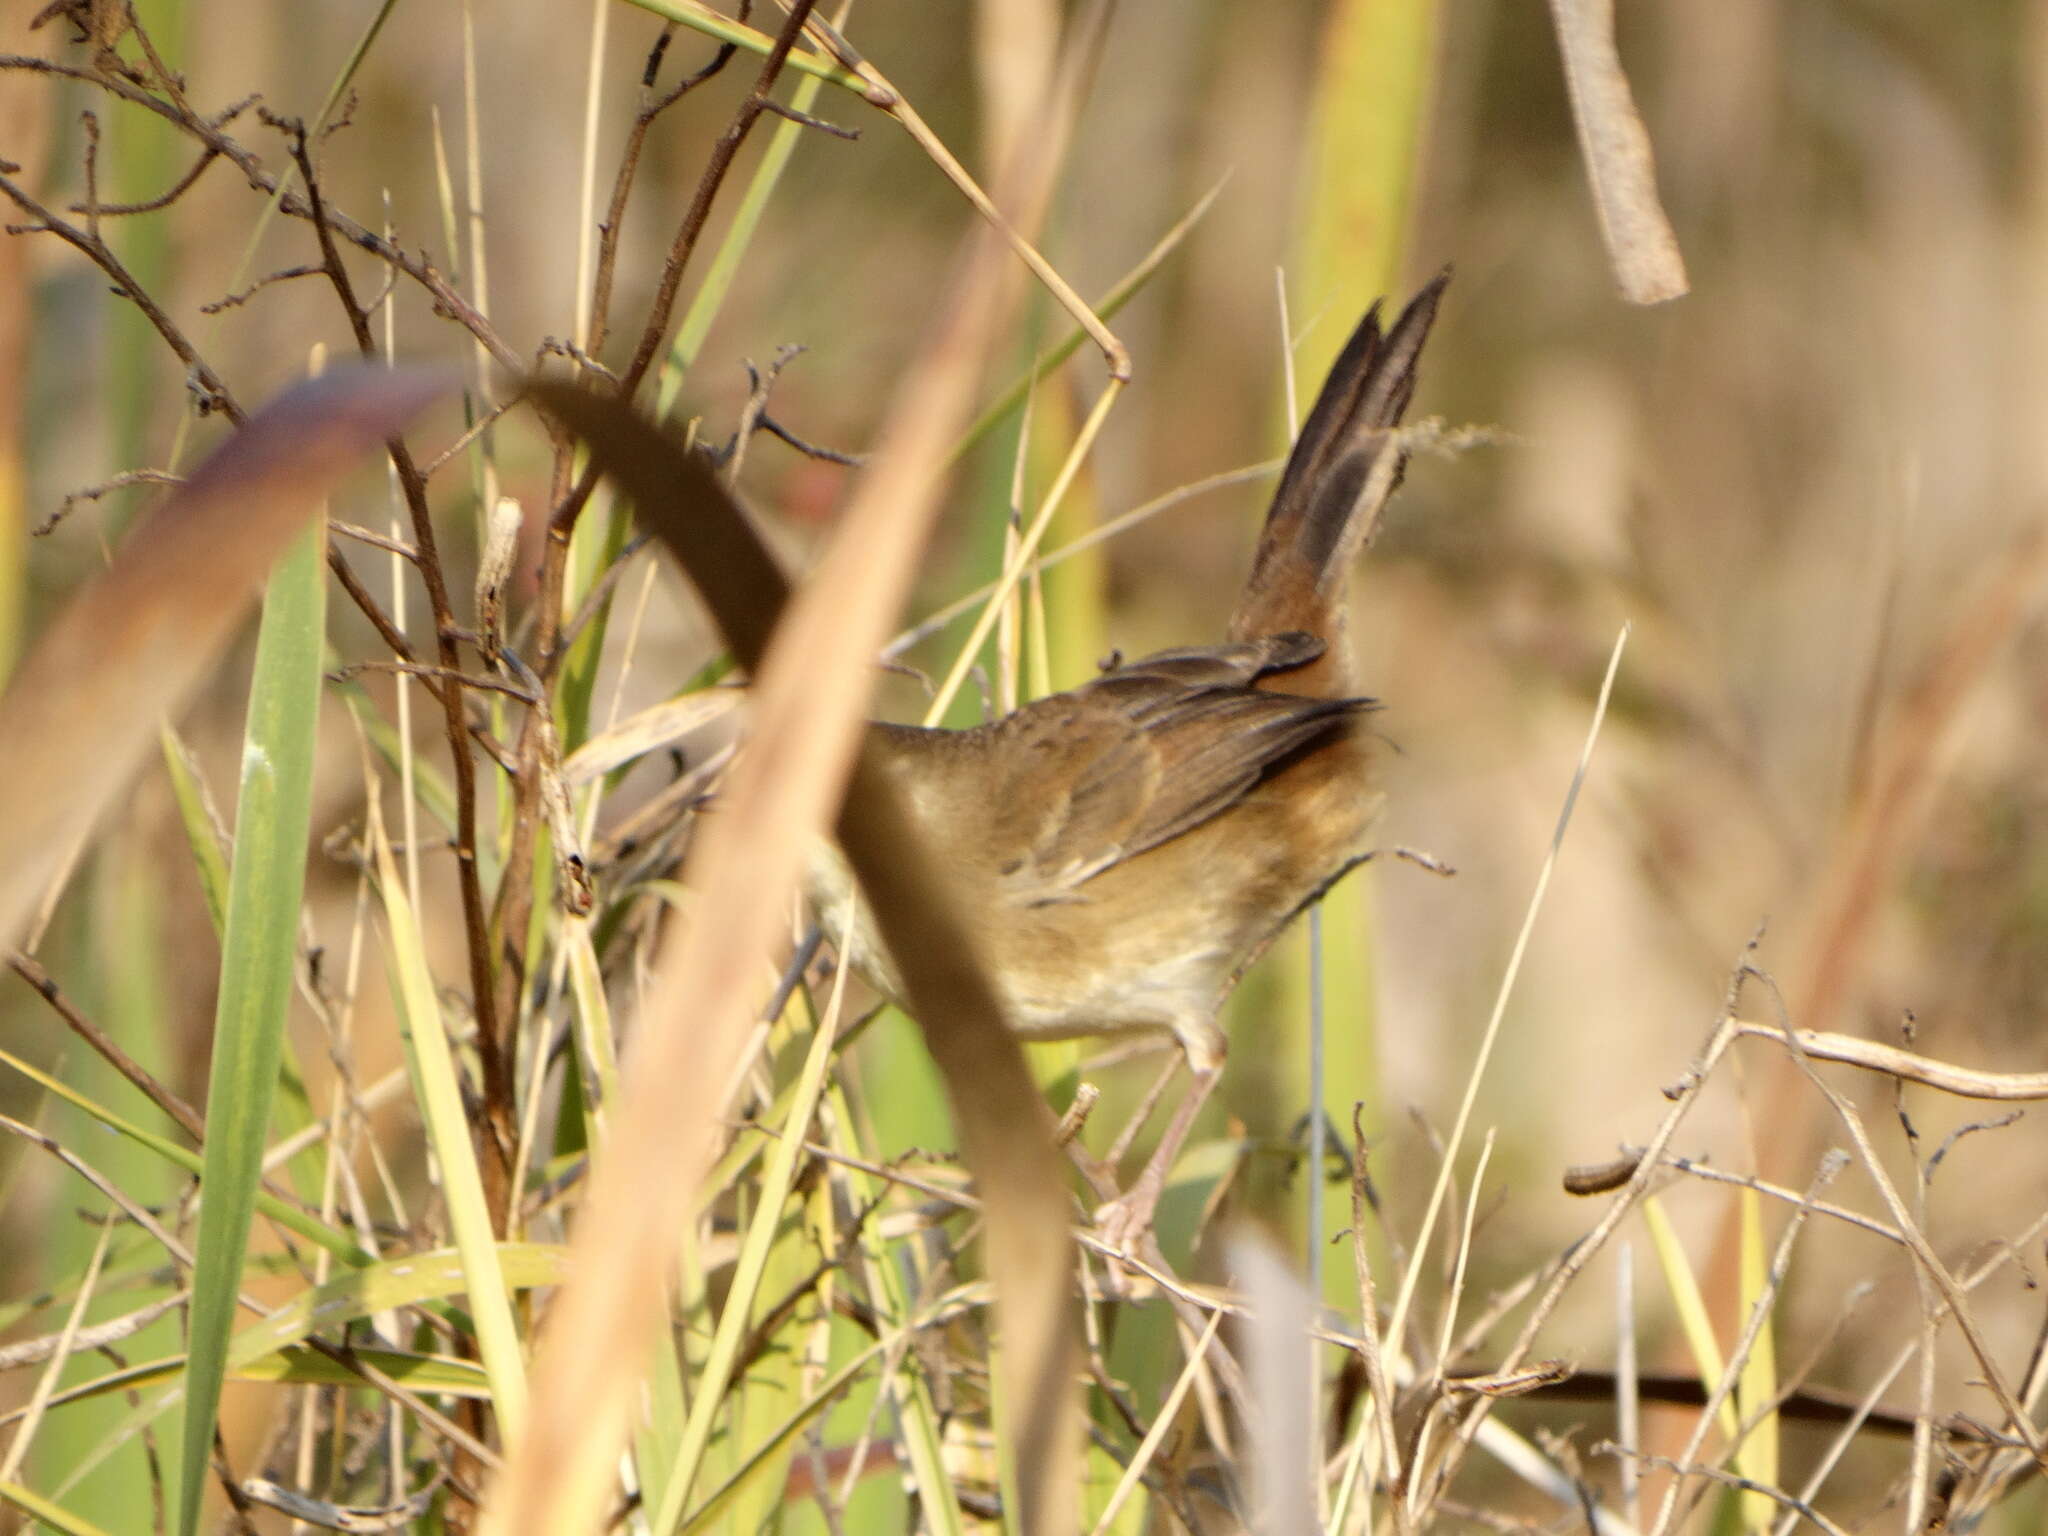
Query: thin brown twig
point(211, 390)
point(242, 296)
point(108, 1048)
point(515, 891)
point(135, 1212)
point(421, 669)
point(168, 80)
point(483, 423)
point(806, 120)
point(91, 1337)
point(1685, 1094)
point(495, 1130)
point(376, 540)
point(1381, 1408)
point(106, 487)
point(555, 346)
point(447, 300)
point(1725, 1479)
point(207, 155)
point(651, 107)
point(1759, 1315)
point(91, 161)
point(1841, 1213)
point(389, 632)
point(810, 450)
point(600, 589)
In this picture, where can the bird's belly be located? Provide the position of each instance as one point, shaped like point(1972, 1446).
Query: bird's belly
point(1157, 941)
point(1156, 994)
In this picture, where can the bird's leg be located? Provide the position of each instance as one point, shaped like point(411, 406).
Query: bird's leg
point(1128, 1218)
point(1115, 1155)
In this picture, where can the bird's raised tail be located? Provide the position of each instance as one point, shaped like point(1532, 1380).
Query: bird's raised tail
point(1345, 465)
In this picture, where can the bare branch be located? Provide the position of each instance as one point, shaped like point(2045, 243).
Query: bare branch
point(1872, 1056)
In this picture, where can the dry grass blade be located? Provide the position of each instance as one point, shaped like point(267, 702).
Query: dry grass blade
point(1406, 1291)
point(1281, 1429)
point(811, 672)
point(84, 708)
point(1055, 115)
point(1936, 1273)
point(1619, 165)
point(1162, 1422)
point(647, 731)
point(1003, 1121)
point(1904, 772)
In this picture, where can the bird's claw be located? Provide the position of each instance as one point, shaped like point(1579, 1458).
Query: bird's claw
point(1123, 1227)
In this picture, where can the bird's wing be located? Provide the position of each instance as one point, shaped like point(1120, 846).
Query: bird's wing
point(1237, 662)
point(1140, 756)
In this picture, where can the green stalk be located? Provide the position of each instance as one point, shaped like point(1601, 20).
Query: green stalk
point(50, 1513)
point(1367, 119)
point(776, 1182)
point(437, 1091)
point(258, 952)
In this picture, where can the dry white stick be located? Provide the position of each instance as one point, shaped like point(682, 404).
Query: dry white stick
point(1852, 1051)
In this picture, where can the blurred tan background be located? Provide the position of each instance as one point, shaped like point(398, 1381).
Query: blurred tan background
point(1802, 485)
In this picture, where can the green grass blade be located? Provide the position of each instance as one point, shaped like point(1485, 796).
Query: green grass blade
point(402, 1282)
point(1368, 115)
point(776, 1182)
point(598, 540)
point(54, 1515)
point(122, 971)
point(1691, 1307)
point(917, 1413)
point(292, 1111)
point(270, 1350)
point(209, 857)
point(701, 18)
point(435, 794)
point(259, 949)
point(285, 1214)
point(1370, 110)
point(1127, 287)
point(761, 1458)
point(293, 1365)
point(437, 1375)
point(725, 263)
point(440, 1102)
point(658, 1439)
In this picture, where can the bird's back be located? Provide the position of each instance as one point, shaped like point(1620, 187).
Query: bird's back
point(1124, 846)
point(1121, 850)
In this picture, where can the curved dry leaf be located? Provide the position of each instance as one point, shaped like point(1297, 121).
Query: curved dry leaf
point(1641, 244)
point(663, 1135)
point(130, 647)
point(647, 731)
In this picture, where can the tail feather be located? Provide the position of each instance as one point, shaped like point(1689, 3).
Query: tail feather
point(1344, 466)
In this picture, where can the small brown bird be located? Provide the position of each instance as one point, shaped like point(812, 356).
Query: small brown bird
point(1124, 851)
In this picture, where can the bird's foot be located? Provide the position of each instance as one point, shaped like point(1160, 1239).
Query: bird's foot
point(1131, 1255)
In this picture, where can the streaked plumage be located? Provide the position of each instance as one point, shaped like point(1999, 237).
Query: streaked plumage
point(1123, 850)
